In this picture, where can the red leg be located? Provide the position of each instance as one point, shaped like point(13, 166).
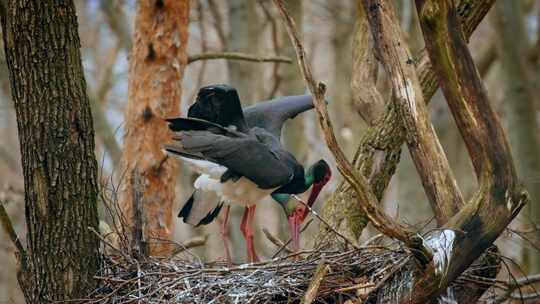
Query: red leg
point(245, 227)
point(294, 226)
point(225, 234)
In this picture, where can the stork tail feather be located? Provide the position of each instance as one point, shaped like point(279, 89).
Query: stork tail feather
point(201, 208)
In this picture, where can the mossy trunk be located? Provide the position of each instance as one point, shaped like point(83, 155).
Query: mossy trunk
point(378, 153)
point(57, 148)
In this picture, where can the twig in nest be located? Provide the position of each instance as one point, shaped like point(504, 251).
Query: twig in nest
point(192, 243)
point(106, 242)
point(290, 239)
point(238, 56)
point(366, 198)
point(7, 226)
point(325, 222)
point(320, 273)
point(276, 241)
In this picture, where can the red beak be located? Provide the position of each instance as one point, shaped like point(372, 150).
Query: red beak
point(315, 190)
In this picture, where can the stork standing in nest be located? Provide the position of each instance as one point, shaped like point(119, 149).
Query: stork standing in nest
point(241, 160)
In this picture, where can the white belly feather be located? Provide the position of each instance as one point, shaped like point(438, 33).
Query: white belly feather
point(243, 191)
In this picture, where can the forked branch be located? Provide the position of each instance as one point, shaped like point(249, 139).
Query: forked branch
point(499, 197)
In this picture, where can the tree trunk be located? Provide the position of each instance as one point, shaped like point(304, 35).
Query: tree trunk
point(156, 70)
point(57, 147)
point(520, 111)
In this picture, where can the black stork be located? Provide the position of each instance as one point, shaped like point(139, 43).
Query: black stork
point(240, 158)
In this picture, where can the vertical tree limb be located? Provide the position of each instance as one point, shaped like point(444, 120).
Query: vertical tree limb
point(368, 101)
point(156, 69)
point(426, 150)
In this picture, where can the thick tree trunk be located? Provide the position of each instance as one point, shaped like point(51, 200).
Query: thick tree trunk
point(57, 147)
point(156, 70)
point(519, 102)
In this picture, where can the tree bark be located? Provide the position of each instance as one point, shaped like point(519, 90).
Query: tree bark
point(523, 130)
point(57, 148)
point(379, 150)
point(156, 70)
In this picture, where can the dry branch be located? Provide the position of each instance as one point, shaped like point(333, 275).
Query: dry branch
point(367, 200)
point(7, 226)
point(312, 291)
point(237, 56)
point(192, 243)
point(426, 150)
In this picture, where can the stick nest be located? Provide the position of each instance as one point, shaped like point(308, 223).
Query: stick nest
point(352, 274)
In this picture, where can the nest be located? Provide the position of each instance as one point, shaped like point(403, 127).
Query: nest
point(349, 274)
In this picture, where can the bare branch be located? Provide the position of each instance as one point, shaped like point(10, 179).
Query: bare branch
point(238, 56)
point(366, 198)
point(191, 243)
point(311, 293)
point(426, 150)
point(276, 241)
point(7, 226)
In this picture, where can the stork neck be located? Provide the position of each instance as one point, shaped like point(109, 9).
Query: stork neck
point(308, 179)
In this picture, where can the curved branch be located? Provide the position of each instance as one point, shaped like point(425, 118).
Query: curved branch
point(237, 56)
point(365, 196)
point(379, 150)
point(499, 197)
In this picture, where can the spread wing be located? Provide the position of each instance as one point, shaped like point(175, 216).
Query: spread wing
point(244, 154)
point(271, 115)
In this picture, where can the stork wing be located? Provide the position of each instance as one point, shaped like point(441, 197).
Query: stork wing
point(219, 104)
point(272, 114)
point(245, 155)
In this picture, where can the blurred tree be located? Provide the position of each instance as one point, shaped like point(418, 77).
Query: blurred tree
point(292, 84)
point(519, 104)
point(244, 36)
point(56, 135)
point(156, 70)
